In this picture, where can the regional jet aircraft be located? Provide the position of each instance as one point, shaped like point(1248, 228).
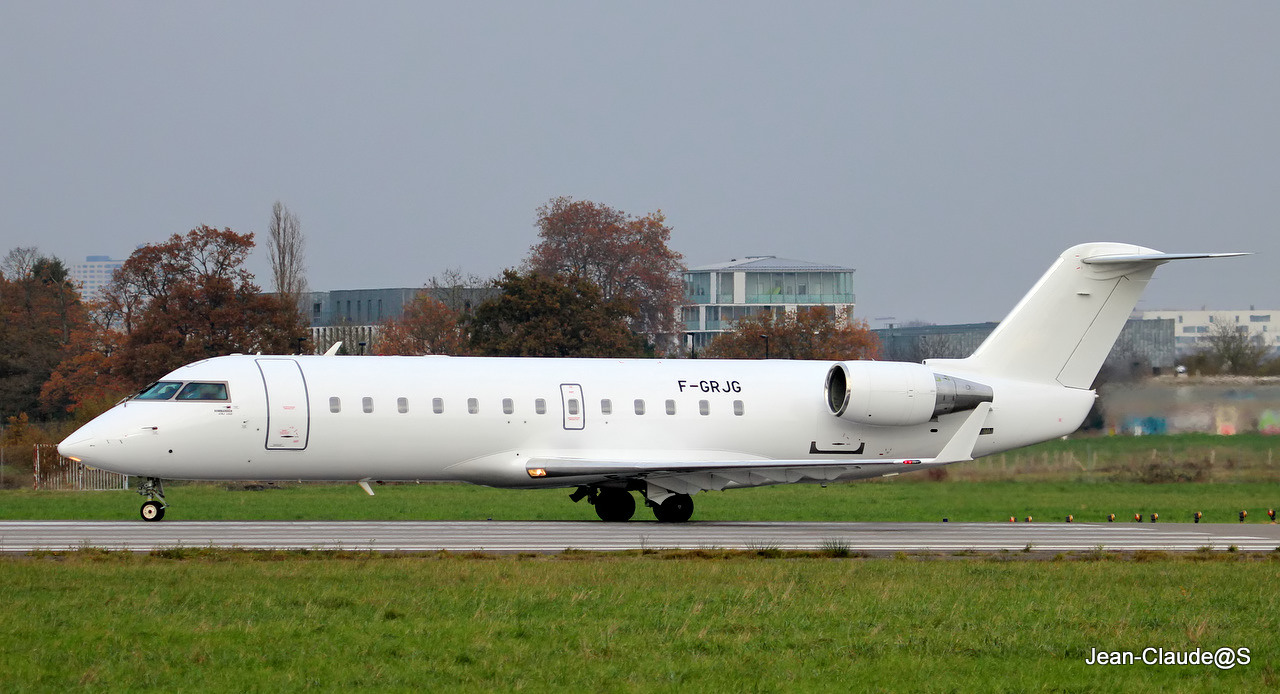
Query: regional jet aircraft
point(606, 428)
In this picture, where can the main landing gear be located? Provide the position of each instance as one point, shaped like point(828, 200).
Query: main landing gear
point(614, 505)
point(153, 508)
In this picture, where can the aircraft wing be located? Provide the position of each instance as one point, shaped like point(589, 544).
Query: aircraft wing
point(687, 477)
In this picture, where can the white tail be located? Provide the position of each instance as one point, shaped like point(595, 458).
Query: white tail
point(1063, 329)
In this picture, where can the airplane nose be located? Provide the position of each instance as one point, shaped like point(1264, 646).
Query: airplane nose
point(78, 449)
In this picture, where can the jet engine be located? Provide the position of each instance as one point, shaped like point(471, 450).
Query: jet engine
point(898, 394)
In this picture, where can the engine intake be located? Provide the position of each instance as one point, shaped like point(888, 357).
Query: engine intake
point(898, 394)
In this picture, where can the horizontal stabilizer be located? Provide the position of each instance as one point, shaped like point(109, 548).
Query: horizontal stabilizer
point(1116, 259)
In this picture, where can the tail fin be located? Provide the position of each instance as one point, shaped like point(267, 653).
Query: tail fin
point(1063, 329)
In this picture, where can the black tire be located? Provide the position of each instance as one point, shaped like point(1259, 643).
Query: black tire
point(152, 511)
point(615, 505)
point(676, 508)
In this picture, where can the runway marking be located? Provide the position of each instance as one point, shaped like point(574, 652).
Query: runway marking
point(552, 536)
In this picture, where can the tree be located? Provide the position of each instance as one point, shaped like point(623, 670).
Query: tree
point(552, 316)
point(1230, 349)
point(626, 257)
point(428, 326)
point(40, 313)
point(176, 302)
point(20, 262)
point(816, 332)
point(286, 250)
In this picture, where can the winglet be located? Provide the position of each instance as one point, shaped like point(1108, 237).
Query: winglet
point(960, 447)
point(333, 349)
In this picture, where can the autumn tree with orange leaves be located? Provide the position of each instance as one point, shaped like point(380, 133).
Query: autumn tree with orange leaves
point(817, 332)
point(626, 257)
point(170, 304)
point(428, 326)
point(40, 316)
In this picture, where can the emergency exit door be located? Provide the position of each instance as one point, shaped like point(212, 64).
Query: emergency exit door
point(571, 401)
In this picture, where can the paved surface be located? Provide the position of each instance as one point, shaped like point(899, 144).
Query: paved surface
point(511, 536)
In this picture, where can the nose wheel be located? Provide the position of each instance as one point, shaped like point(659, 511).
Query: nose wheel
point(153, 508)
point(152, 511)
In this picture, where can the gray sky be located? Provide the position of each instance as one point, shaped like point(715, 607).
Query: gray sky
point(947, 150)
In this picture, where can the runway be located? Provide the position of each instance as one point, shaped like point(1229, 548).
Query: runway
point(520, 536)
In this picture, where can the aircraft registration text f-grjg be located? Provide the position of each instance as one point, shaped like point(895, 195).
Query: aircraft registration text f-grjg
point(609, 427)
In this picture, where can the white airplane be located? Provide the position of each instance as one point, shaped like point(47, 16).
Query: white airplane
point(607, 427)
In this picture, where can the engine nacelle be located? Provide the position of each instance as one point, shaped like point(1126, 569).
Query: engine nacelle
point(897, 393)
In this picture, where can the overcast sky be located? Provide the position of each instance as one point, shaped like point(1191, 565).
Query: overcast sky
point(947, 150)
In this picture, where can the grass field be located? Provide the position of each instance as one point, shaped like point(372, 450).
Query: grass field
point(229, 621)
point(891, 500)
point(213, 620)
point(1089, 478)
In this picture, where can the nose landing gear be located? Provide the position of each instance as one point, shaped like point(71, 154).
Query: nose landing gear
point(153, 508)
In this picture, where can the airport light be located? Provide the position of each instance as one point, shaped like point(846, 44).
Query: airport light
point(1070, 517)
point(1155, 517)
point(1111, 518)
point(1243, 515)
point(1199, 516)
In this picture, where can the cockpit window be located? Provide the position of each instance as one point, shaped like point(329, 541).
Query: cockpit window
point(204, 391)
point(162, 390)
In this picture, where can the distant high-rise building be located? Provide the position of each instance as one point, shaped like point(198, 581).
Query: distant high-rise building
point(94, 274)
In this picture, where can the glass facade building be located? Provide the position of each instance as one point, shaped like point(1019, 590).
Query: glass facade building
point(717, 295)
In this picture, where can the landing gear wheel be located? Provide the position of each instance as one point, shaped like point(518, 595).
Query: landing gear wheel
point(676, 508)
point(152, 511)
point(615, 505)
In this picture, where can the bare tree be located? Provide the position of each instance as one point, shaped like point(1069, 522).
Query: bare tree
point(937, 346)
point(286, 248)
point(459, 291)
point(20, 262)
point(1232, 350)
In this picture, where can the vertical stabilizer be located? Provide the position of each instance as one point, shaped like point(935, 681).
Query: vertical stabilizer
point(1064, 328)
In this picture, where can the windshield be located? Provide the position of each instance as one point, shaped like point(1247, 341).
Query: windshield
point(161, 390)
point(204, 391)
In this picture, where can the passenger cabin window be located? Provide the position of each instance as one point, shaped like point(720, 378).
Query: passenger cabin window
point(203, 391)
point(335, 405)
point(704, 407)
point(671, 407)
point(473, 405)
point(162, 390)
point(639, 406)
point(737, 408)
point(402, 405)
point(540, 406)
point(574, 407)
point(606, 406)
point(508, 406)
point(367, 403)
point(437, 405)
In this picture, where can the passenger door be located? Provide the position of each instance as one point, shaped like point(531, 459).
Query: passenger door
point(288, 415)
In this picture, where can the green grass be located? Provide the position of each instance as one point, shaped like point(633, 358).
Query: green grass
point(1089, 478)
point(896, 499)
point(229, 621)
